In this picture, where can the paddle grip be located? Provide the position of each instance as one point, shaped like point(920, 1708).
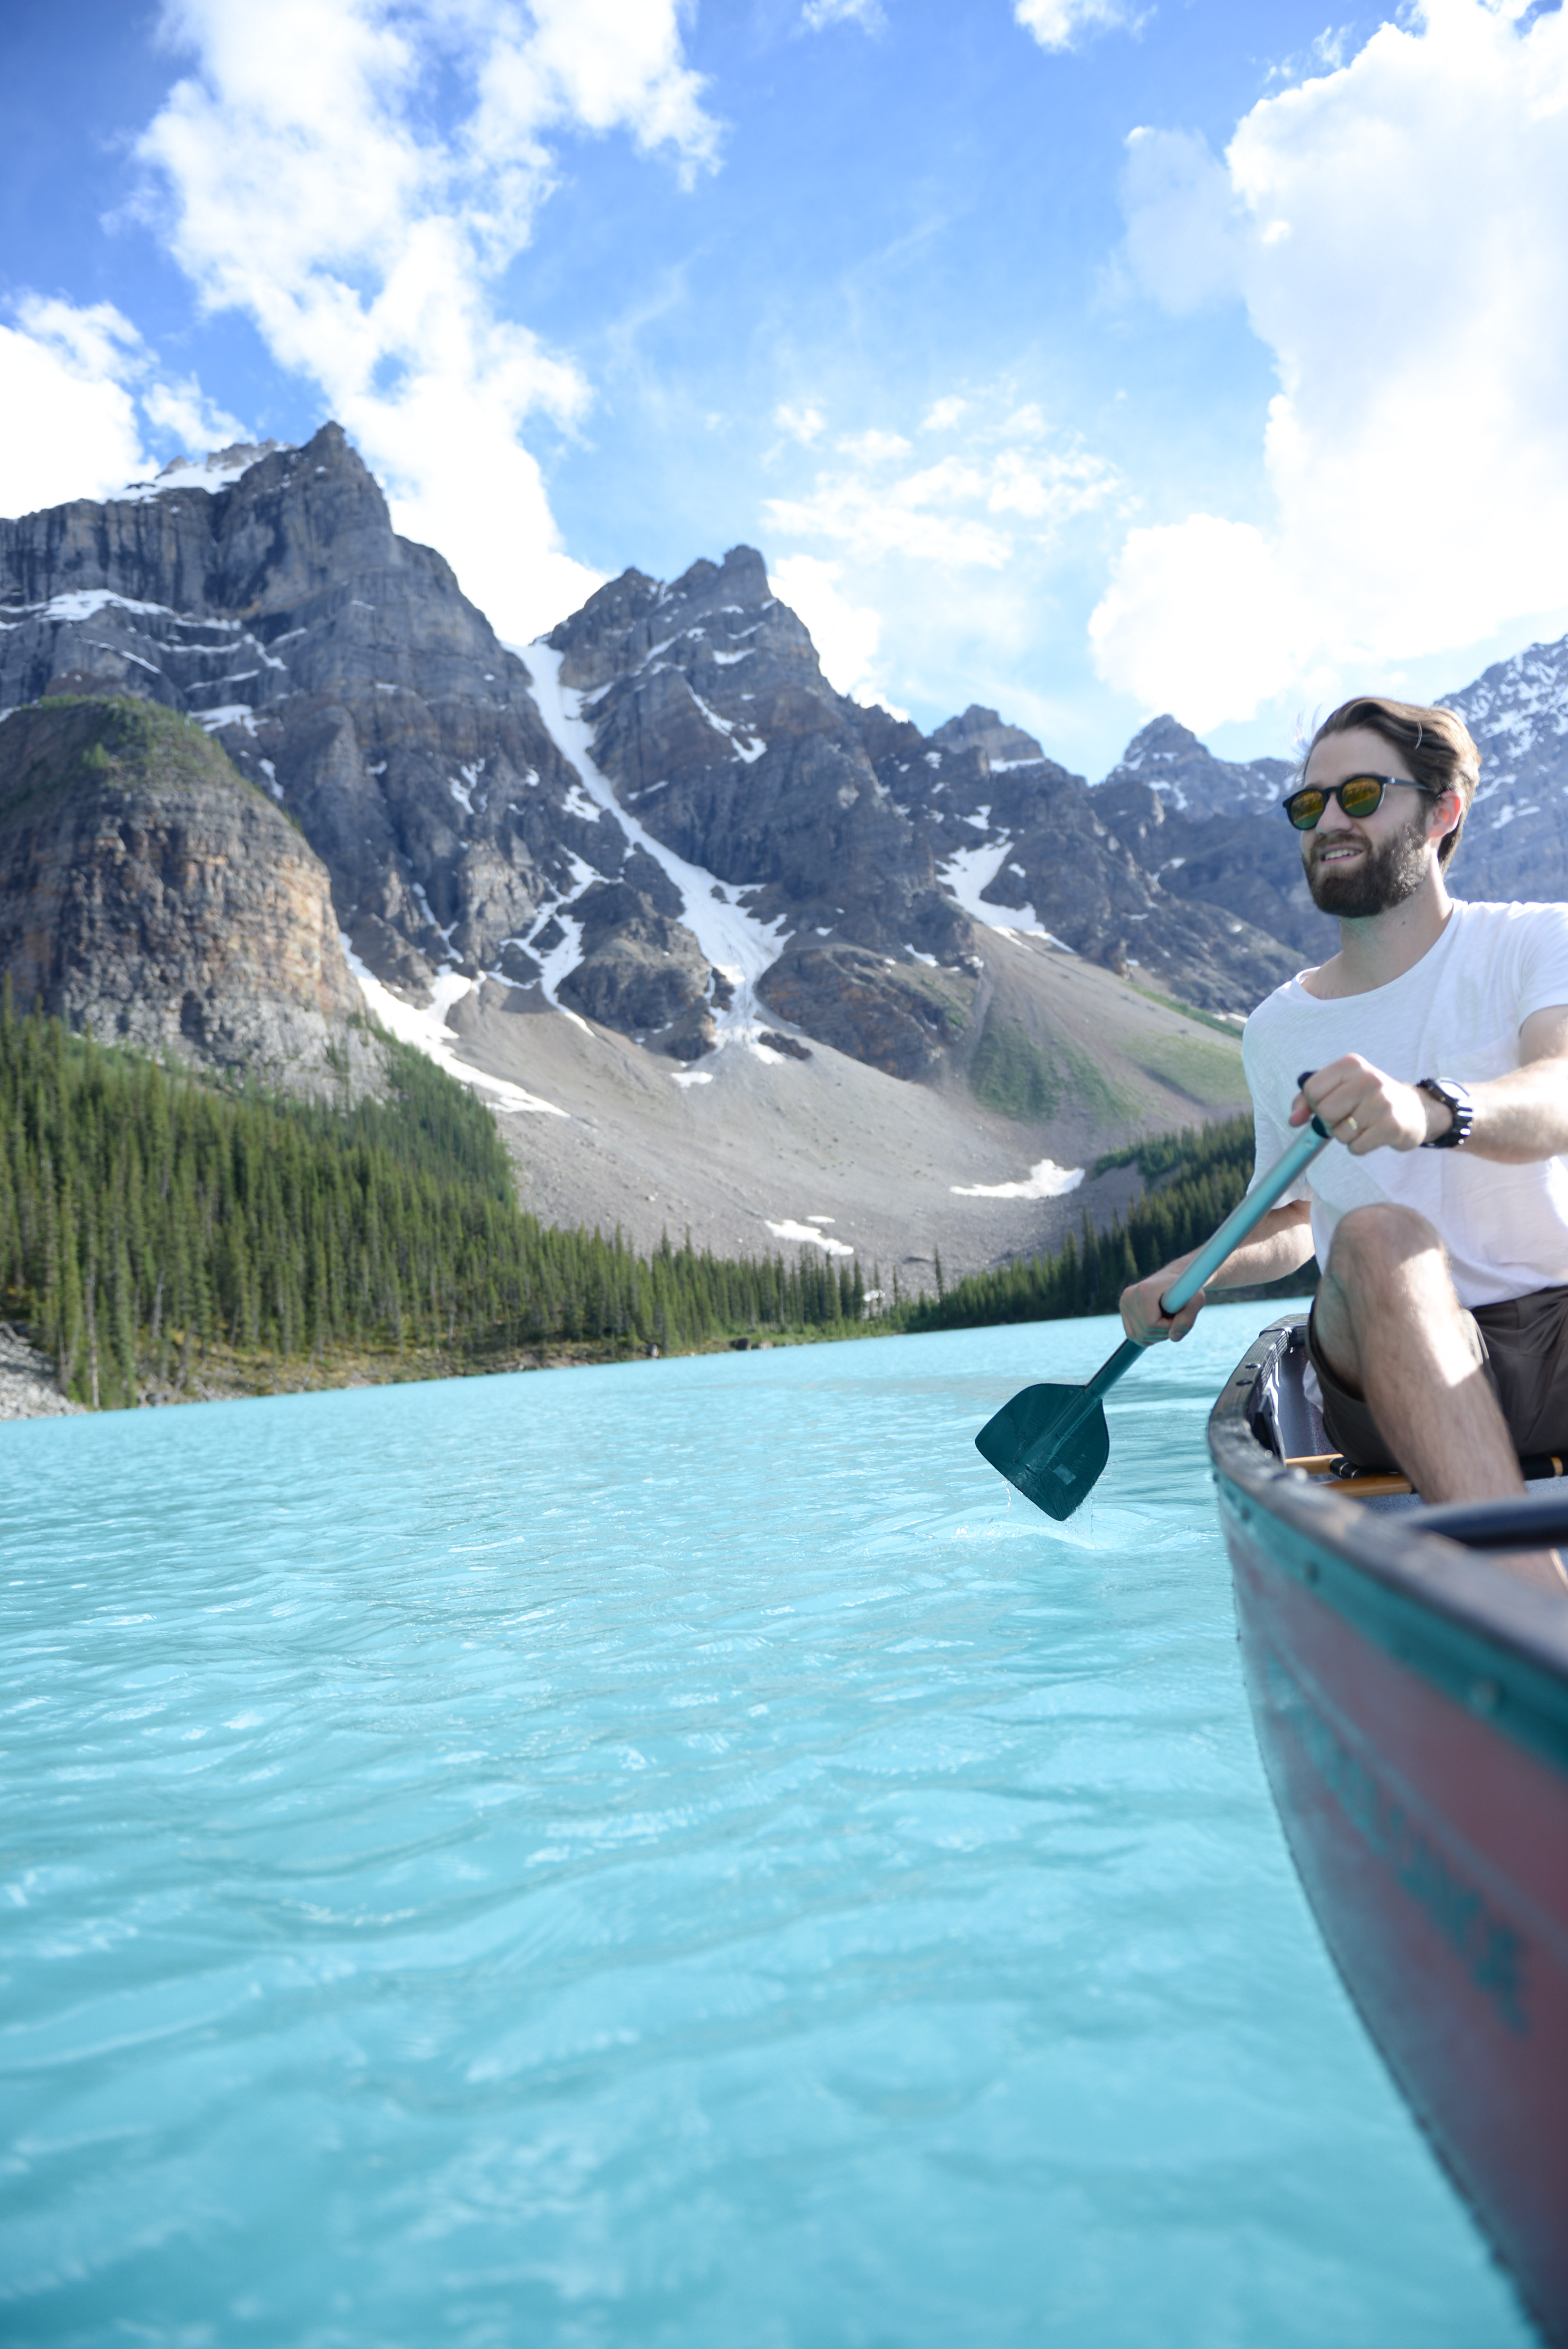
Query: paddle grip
point(1244, 1217)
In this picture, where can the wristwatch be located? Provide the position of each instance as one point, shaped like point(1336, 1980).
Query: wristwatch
point(1457, 1101)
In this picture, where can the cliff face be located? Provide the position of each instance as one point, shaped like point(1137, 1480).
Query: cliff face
point(660, 851)
point(1515, 842)
point(343, 670)
point(152, 896)
point(848, 829)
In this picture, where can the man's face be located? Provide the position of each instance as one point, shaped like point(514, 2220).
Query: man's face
point(1359, 869)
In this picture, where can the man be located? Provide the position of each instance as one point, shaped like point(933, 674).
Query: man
point(1437, 1043)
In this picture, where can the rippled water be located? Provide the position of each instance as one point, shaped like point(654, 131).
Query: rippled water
point(675, 1854)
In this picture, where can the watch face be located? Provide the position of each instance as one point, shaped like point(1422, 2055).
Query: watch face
point(1462, 1115)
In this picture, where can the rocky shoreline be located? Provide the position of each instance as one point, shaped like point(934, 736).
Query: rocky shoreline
point(27, 1389)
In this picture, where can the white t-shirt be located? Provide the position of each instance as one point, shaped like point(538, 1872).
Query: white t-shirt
point(1456, 1015)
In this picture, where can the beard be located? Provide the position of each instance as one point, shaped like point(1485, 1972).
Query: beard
point(1384, 877)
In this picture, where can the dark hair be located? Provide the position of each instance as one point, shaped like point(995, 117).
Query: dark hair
point(1434, 744)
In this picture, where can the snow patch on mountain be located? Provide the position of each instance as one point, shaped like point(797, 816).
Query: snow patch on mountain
point(970, 871)
point(425, 1027)
point(733, 940)
point(790, 1230)
point(1043, 1181)
point(214, 471)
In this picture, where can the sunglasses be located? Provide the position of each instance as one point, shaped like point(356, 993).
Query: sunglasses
point(1358, 795)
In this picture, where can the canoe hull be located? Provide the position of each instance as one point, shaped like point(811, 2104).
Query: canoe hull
point(1411, 1742)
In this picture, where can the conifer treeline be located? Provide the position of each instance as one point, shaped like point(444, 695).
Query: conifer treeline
point(144, 1216)
point(1196, 1178)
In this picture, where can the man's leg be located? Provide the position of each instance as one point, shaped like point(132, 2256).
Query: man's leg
point(1388, 1319)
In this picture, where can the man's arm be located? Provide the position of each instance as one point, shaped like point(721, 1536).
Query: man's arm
point(1281, 1243)
point(1519, 1118)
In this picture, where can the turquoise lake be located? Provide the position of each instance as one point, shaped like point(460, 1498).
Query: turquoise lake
point(672, 1854)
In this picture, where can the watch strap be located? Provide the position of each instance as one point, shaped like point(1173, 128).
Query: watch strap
point(1456, 1101)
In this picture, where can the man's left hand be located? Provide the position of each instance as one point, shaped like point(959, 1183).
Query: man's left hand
point(1365, 1109)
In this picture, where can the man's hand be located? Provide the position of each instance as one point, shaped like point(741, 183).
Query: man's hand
point(1281, 1244)
point(1140, 1316)
point(1367, 1110)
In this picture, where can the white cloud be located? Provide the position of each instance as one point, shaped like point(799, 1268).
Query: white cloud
point(1398, 228)
point(943, 414)
point(183, 411)
point(79, 390)
point(1193, 605)
point(69, 432)
point(305, 190)
point(1059, 24)
point(874, 447)
point(943, 514)
point(935, 580)
point(802, 424)
point(847, 635)
point(867, 14)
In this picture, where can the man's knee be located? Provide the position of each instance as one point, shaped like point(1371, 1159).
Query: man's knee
point(1369, 1242)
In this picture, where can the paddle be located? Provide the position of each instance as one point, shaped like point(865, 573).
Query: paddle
point(1052, 1442)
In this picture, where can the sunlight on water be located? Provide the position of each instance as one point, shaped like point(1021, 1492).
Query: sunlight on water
point(676, 1854)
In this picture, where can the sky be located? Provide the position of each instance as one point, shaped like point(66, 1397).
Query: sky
point(1084, 359)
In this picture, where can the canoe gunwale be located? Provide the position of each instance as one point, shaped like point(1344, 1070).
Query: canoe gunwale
point(1410, 1701)
point(1492, 1641)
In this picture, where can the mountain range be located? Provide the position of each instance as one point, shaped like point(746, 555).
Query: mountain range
point(724, 949)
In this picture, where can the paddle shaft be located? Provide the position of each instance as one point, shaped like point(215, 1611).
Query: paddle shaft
point(1244, 1217)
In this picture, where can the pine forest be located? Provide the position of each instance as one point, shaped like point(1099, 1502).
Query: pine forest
point(150, 1222)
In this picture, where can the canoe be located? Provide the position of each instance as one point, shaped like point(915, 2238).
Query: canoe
point(1411, 1699)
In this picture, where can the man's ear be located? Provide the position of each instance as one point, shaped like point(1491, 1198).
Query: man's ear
point(1447, 814)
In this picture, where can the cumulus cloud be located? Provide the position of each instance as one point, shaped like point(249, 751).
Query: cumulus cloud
point(848, 637)
point(1061, 24)
point(927, 552)
point(82, 394)
point(802, 424)
point(874, 447)
point(1398, 230)
point(949, 514)
point(368, 249)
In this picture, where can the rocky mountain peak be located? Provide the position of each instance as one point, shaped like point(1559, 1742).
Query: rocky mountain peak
point(983, 731)
point(1515, 844)
point(711, 616)
point(215, 470)
point(1169, 758)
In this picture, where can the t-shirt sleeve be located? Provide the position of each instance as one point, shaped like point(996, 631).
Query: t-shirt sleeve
point(1544, 963)
point(1273, 1089)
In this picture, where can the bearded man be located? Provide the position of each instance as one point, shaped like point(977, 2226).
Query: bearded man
point(1436, 1042)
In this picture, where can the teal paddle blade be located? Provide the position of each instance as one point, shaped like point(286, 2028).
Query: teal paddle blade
point(1051, 1442)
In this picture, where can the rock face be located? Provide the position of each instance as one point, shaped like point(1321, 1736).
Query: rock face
point(1515, 842)
point(714, 723)
point(664, 821)
point(150, 896)
point(343, 671)
point(1190, 782)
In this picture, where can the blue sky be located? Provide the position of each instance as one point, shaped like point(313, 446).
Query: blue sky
point(1079, 356)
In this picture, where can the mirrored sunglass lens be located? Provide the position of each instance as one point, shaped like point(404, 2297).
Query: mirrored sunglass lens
point(1303, 808)
point(1361, 795)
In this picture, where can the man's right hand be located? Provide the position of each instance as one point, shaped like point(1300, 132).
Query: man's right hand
point(1141, 1318)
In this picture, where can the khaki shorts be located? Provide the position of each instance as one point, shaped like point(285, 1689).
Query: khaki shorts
point(1522, 1346)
